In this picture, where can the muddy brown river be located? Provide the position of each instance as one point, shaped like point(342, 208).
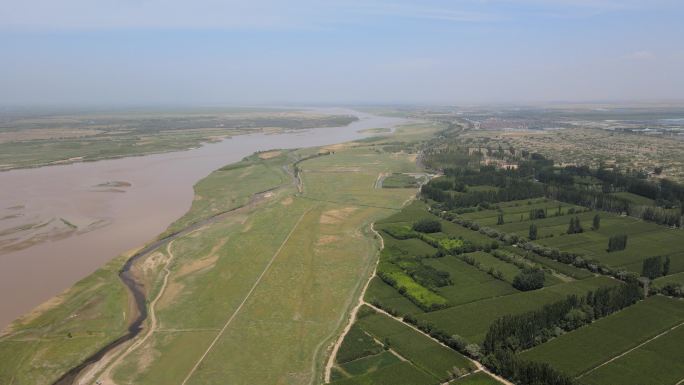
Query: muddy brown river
point(60, 223)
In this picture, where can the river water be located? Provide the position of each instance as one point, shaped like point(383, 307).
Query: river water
point(85, 214)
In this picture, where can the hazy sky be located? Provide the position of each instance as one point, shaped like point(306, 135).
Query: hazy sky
point(266, 51)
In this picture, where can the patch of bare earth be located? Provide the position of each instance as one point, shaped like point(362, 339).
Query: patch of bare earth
point(332, 217)
point(269, 154)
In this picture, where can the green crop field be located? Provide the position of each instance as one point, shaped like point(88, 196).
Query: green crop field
point(488, 261)
point(562, 268)
point(658, 362)
point(401, 373)
point(356, 345)
point(553, 226)
point(469, 283)
point(423, 352)
point(399, 181)
point(412, 247)
point(644, 239)
point(413, 212)
point(635, 199)
point(472, 320)
point(368, 364)
point(674, 278)
point(583, 349)
point(389, 298)
point(518, 211)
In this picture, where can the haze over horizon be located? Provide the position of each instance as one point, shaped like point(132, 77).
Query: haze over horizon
point(274, 52)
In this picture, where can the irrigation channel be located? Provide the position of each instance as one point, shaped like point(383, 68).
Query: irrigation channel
point(136, 290)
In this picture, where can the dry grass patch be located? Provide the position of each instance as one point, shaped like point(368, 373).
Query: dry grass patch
point(335, 216)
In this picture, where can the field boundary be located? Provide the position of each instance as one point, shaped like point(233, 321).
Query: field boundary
point(631, 350)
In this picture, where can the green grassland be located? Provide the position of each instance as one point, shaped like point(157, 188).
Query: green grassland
point(321, 249)
point(658, 362)
point(583, 349)
point(472, 320)
point(235, 185)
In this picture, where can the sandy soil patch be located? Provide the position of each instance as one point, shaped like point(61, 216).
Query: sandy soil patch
point(336, 147)
point(287, 201)
point(269, 154)
point(327, 239)
point(336, 216)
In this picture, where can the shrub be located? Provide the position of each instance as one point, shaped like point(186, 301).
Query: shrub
point(427, 226)
point(529, 279)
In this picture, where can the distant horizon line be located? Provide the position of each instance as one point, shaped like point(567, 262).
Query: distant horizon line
point(212, 105)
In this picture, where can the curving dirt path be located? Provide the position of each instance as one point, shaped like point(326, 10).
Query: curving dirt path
point(106, 376)
point(352, 316)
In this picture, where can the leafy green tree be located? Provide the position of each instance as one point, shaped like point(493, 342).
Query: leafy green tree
point(597, 222)
point(666, 266)
point(575, 227)
point(652, 267)
point(617, 242)
point(529, 279)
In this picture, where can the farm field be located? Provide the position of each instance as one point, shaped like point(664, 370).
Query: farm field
point(389, 298)
point(658, 362)
point(677, 278)
point(471, 321)
point(565, 269)
point(644, 239)
point(488, 261)
point(583, 349)
point(518, 211)
point(423, 353)
point(469, 283)
point(223, 276)
point(399, 181)
point(635, 199)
